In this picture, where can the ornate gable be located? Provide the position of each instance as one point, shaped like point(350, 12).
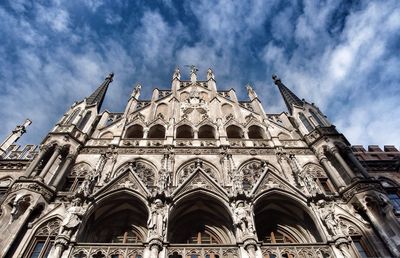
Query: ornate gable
point(126, 180)
point(270, 180)
point(199, 179)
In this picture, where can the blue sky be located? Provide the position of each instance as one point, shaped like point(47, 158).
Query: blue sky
point(341, 55)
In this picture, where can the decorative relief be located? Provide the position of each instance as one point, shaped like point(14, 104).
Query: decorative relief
point(190, 168)
point(251, 174)
point(50, 228)
point(33, 186)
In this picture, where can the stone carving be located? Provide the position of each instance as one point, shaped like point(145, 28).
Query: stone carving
point(73, 218)
point(251, 174)
point(330, 219)
point(238, 178)
point(210, 74)
point(19, 205)
point(243, 220)
point(157, 222)
point(164, 180)
point(190, 168)
point(177, 74)
point(308, 181)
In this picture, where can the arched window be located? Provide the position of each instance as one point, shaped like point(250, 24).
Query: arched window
point(43, 240)
point(316, 118)
point(256, 132)
point(234, 132)
point(84, 120)
point(275, 236)
point(206, 131)
point(202, 236)
point(184, 131)
point(135, 131)
point(76, 177)
point(156, 131)
point(305, 122)
point(72, 117)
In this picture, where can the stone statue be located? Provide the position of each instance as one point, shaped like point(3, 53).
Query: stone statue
point(210, 74)
point(330, 219)
point(72, 218)
point(243, 219)
point(19, 205)
point(177, 74)
point(157, 222)
point(238, 177)
point(164, 180)
point(309, 182)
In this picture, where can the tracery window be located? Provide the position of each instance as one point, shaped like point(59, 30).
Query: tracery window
point(277, 237)
point(305, 122)
point(72, 117)
point(76, 177)
point(361, 247)
point(43, 240)
point(202, 237)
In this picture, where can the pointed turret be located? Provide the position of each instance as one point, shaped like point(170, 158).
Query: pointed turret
point(98, 95)
point(288, 96)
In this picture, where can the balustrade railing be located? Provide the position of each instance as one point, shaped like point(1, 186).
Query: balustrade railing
point(296, 251)
point(202, 251)
point(91, 250)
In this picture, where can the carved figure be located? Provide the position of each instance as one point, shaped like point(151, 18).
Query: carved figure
point(177, 74)
point(157, 221)
point(164, 180)
point(210, 74)
point(73, 218)
point(19, 206)
point(238, 177)
point(330, 219)
point(243, 219)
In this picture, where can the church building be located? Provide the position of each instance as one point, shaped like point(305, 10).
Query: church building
point(195, 172)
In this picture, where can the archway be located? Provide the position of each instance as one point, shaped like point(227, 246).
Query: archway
point(184, 131)
point(156, 131)
point(200, 218)
point(280, 219)
point(256, 132)
point(135, 131)
point(234, 132)
point(206, 131)
point(120, 218)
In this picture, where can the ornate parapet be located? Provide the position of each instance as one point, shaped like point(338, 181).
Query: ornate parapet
point(321, 132)
point(361, 186)
point(33, 186)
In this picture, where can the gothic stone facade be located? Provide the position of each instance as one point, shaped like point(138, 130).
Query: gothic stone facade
point(194, 172)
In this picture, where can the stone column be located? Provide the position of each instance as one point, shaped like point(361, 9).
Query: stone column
point(350, 155)
point(155, 246)
point(36, 161)
point(195, 134)
point(145, 132)
point(337, 155)
point(61, 173)
point(53, 157)
point(250, 245)
point(334, 175)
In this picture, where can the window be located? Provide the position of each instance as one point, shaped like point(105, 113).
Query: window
point(276, 237)
point(325, 185)
point(202, 237)
point(72, 117)
point(126, 237)
point(361, 247)
point(255, 132)
point(395, 200)
point(305, 122)
point(84, 121)
point(316, 118)
point(43, 240)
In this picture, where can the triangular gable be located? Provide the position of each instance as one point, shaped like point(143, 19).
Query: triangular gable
point(270, 180)
point(126, 180)
point(200, 180)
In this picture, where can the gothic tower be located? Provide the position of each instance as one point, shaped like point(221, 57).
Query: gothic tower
point(194, 172)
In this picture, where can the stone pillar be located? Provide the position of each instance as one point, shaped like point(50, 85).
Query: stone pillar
point(334, 175)
point(155, 246)
point(195, 134)
point(53, 157)
point(61, 173)
point(350, 155)
point(337, 155)
point(145, 132)
point(36, 161)
point(250, 245)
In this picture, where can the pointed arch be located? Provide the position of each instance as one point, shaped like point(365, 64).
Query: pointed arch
point(134, 131)
point(71, 118)
point(281, 213)
point(206, 131)
point(234, 132)
point(143, 168)
point(119, 217)
point(187, 168)
point(184, 131)
point(157, 131)
point(256, 132)
point(200, 218)
point(252, 170)
point(107, 135)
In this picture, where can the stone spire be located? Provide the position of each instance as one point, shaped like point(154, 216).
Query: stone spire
point(98, 95)
point(288, 96)
point(14, 136)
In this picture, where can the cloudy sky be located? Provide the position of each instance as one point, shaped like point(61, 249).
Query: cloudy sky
point(342, 55)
